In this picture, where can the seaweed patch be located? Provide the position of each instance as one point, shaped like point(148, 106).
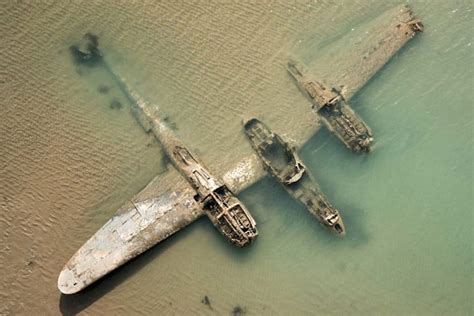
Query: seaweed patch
point(206, 301)
point(87, 51)
point(238, 311)
point(115, 104)
point(103, 89)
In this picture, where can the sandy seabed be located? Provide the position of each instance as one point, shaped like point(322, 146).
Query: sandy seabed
point(68, 160)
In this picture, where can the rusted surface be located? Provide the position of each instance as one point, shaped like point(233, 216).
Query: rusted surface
point(283, 163)
point(167, 204)
point(334, 111)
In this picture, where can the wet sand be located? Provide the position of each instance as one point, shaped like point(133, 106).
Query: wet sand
point(68, 160)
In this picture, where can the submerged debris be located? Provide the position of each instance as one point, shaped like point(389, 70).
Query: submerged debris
point(170, 123)
point(206, 301)
point(103, 89)
point(30, 262)
point(115, 104)
point(416, 25)
point(238, 311)
point(87, 51)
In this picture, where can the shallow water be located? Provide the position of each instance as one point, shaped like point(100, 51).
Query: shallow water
point(68, 160)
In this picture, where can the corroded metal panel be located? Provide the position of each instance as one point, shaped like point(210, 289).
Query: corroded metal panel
point(136, 227)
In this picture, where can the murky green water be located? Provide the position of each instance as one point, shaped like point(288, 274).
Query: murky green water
point(69, 161)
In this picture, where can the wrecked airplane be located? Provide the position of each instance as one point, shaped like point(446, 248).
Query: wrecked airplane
point(329, 101)
point(170, 201)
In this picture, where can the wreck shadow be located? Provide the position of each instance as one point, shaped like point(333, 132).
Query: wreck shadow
point(75, 303)
point(222, 245)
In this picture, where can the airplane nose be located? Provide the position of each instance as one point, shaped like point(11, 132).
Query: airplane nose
point(244, 119)
point(366, 144)
point(370, 141)
point(339, 228)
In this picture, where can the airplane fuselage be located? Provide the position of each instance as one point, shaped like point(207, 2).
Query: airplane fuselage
point(284, 164)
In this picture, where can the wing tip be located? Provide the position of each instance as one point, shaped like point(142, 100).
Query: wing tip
point(68, 283)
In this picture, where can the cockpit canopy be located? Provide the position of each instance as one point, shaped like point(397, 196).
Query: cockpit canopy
point(334, 221)
point(331, 219)
point(295, 173)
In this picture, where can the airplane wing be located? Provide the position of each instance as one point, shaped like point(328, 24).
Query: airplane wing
point(167, 205)
point(367, 48)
